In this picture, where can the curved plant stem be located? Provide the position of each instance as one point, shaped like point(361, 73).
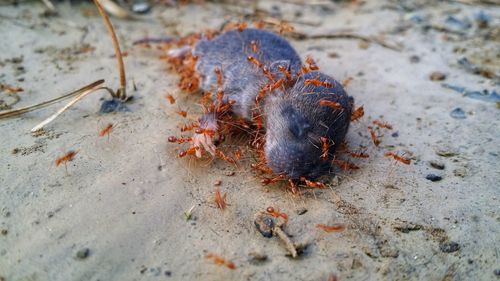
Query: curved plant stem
point(19, 111)
point(121, 93)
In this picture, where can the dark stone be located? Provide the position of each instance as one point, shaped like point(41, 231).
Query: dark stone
point(449, 247)
point(437, 76)
point(414, 59)
point(433, 177)
point(83, 253)
point(458, 113)
point(301, 211)
point(437, 165)
point(168, 273)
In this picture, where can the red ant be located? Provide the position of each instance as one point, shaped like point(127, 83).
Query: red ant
point(375, 138)
point(189, 127)
point(311, 63)
point(285, 72)
point(276, 85)
point(207, 132)
point(259, 24)
point(225, 157)
point(324, 148)
point(179, 140)
point(316, 82)
point(345, 165)
point(346, 82)
point(65, 158)
point(254, 61)
point(276, 213)
point(182, 113)
point(218, 72)
point(398, 157)
point(266, 181)
point(242, 26)
point(381, 124)
point(253, 45)
point(331, 228)
point(313, 184)
point(220, 200)
point(360, 154)
point(357, 113)
point(221, 261)
point(285, 27)
point(190, 151)
point(170, 99)
point(331, 104)
point(106, 130)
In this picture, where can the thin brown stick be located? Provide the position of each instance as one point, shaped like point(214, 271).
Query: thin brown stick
point(71, 103)
point(19, 111)
point(343, 35)
point(121, 92)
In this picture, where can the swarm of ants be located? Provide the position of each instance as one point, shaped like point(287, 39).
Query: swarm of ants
point(213, 103)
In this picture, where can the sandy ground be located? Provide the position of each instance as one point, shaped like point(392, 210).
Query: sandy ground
point(124, 199)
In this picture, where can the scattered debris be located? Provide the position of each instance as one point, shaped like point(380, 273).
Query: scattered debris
point(437, 76)
point(414, 59)
point(257, 257)
point(458, 113)
point(83, 253)
point(268, 225)
point(437, 165)
point(433, 177)
point(301, 211)
point(406, 227)
point(449, 247)
point(446, 153)
point(475, 69)
point(460, 172)
point(484, 95)
point(189, 214)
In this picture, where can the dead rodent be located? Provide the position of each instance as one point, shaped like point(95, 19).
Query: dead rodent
point(302, 132)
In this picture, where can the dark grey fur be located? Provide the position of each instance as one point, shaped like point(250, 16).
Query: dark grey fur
point(294, 120)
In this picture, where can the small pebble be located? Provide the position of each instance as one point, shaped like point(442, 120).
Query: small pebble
point(168, 273)
point(433, 177)
point(437, 76)
point(437, 165)
point(458, 113)
point(497, 272)
point(460, 172)
point(449, 247)
point(5, 232)
point(83, 253)
point(483, 19)
point(301, 211)
point(333, 55)
point(414, 59)
point(141, 7)
point(256, 257)
point(217, 183)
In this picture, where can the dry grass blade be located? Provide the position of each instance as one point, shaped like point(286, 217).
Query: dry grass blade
point(72, 102)
point(121, 92)
point(19, 111)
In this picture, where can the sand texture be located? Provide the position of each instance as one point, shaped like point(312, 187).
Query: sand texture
point(118, 212)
